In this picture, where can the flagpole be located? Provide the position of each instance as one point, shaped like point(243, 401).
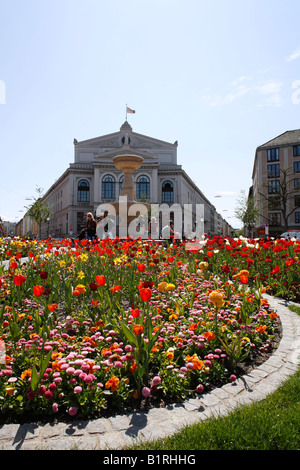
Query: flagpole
point(126, 111)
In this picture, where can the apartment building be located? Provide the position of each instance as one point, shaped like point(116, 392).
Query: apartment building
point(276, 185)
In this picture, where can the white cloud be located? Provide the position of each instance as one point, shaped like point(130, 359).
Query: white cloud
point(239, 89)
point(295, 55)
point(269, 90)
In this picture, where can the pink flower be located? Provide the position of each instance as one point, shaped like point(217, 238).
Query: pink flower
point(233, 378)
point(200, 388)
point(55, 407)
point(72, 410)
point(156, 380)
point(48, 395)
point(30, 395)
point(41, 390)
point(89, 378)
point(145, 392)
point(77, 389)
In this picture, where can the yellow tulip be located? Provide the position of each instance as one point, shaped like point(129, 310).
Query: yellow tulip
point(216, 298)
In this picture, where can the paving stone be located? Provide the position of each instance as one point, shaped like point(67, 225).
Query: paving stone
point(97, 426)
point(119, 423)
point(111, 440)
point(60, 444)
point(8, 431)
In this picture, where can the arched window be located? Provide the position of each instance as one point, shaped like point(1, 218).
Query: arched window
point(108, 187)
point(143, 187)
point(167, 191)
point(83, 193)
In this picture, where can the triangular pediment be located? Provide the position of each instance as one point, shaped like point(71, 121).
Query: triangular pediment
point(116, 140)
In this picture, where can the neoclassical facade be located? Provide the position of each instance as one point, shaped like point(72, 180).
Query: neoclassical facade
point(93, 179)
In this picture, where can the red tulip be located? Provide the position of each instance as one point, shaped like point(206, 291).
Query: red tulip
point(141, 267)
point(38, 290)
point(145, 294)
point(19, 279)
point(93, 286)
point(100, 280)
point(135, 312)
point(43, 274)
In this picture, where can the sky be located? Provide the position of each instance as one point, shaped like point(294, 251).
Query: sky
point(221, 77)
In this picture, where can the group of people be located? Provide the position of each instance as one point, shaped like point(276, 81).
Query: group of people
point(94, 229)
point(100, 228)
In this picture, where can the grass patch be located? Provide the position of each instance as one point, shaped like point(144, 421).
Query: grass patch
point(272, 424)
point(295, 309)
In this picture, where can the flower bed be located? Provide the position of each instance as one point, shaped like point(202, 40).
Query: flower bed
point(89, 330)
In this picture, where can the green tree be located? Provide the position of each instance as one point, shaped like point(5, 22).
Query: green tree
point(246, 211)
point(39, 210)
point(282, 196)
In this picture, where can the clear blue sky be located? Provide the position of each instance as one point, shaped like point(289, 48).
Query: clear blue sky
point(215, 75)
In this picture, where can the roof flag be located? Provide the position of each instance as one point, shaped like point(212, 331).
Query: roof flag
point(129, 110)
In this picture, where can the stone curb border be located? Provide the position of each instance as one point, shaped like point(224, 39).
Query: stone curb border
point(116, 432)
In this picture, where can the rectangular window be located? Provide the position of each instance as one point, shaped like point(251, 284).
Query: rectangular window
point(274, 203)
point(275, 219)
point(273, 187)
point(296, 167)
point(297, 200)
point(296, 150)
point(273, 155)
point(273, 170)
point(297, 217)
point(297, 183)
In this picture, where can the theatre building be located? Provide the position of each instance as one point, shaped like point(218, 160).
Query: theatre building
point(93, 179)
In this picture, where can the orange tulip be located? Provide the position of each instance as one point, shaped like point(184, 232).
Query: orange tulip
point(243, 279)
point(52, 307)
point(138, 329)
point(80, 288)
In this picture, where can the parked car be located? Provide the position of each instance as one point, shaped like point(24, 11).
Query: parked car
point(290, 235)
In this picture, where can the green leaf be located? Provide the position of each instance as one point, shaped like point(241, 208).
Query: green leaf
point(34, 379)
point(44, 363)
point(14, 331)
point(128, 333)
